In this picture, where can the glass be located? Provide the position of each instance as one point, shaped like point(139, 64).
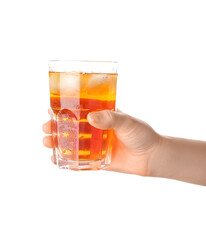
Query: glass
point(77, 88)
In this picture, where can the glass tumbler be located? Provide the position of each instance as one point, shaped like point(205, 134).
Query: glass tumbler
point(76, 89)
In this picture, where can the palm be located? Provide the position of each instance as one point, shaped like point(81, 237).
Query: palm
point(125, 161)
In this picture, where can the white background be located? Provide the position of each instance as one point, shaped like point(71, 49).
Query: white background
point(161, 47)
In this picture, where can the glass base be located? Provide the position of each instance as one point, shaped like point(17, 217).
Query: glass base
point(82, 165)
point(96, 164)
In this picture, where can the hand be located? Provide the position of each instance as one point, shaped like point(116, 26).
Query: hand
point(133, 145)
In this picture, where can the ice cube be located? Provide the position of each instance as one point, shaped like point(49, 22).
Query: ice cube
point(95, 80)
point(54, 82)
point(69, 82)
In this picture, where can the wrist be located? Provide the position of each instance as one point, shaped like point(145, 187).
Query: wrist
point(156, 161)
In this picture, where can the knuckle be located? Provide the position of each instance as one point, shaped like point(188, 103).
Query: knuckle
point(110, 117)
point(126, 122)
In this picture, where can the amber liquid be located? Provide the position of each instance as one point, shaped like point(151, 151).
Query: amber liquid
point(72, 97)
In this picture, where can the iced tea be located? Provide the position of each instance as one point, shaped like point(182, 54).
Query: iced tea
point(73, 95)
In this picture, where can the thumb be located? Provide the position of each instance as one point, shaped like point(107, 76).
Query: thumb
point(107, 119)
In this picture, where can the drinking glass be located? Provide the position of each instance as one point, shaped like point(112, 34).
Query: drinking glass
point(76, 89)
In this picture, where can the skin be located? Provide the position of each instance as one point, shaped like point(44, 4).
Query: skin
point(138, 149)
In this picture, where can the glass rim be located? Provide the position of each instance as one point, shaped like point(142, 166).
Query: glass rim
point(83, 66)
point(98, 61)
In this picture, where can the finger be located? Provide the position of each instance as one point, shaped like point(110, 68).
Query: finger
point(53, 160)
point(107, 119)
point(48, 142)
point(47, 127)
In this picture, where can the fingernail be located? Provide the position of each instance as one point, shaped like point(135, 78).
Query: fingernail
point(95, 117)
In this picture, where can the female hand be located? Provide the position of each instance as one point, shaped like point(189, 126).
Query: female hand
point(133, 145)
